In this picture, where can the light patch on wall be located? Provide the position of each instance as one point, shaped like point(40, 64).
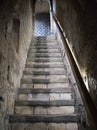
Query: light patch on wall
point(9, 26)
point(82, 72)
point(85, 78)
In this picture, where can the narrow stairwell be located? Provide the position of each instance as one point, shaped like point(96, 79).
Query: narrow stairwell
point(45, 100)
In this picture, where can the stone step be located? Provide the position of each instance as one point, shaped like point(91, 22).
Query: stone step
point(31, 63)
point(44, 76)
point(44, 72)
point(44, 54)
point(45, 41)
point(46, 91)
point(46, 69)
point(43, 66)
point(44, 110)
point(45, 59)
point(44, 47)
point(45, 44)
point(45, 103)
point(43, 126)
point(49, 37)
point(43, 81)
point(43, 85)
point(54, 71)
point(72, 118)
point(45, 97)
point(44, 51)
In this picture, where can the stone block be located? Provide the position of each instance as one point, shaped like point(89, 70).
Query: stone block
point(41, 97)
point(40, 110)
point(56, 76)
point(22, 97)
point(38, 126)
point(58, 85)
point(66, 96)
point(61, 110)
point(23, 110)
point(54, 126)
point(40, 85)
point(27, 85)
point(72, 126)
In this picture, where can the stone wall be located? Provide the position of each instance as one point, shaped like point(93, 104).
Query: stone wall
point(15, 37)
point(42, 6)
point(79, 20)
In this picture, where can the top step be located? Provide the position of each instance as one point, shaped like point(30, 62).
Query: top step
point(40, 39)
point(46, 37)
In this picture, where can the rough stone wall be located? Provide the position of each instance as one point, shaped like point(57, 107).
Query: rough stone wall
point(79, 20)
point(42, 6)
point(15, 37)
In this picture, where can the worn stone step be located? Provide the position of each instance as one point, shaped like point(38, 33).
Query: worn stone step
point(54, 71)
point(44, 54)
point(43, 85)
point(57, 77)
point(44, 110)
point(44, 59)
point(43, 76)
point(43, 126)
point(47, 90)
point(49, 37)
point(45, 81)
point(43, 66)
point(33, 97)
point(44, 72)
point(45, 97)
point(43, 118)
point(46, 69)
point(42, 40)
point(45, 41)
point(30, 62)
point(44, 50)
point(44, 47)
point(45, 44)
point(45, 103)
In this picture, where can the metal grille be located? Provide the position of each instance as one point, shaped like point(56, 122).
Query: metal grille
point(42, 24)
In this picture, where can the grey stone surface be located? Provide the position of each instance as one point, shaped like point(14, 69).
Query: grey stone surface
point(44, 91)
point(65, 96)
point(24, 110)
point(15, 36)
point(43, 118)
point(81, 31)
point(43, 126)
point(61, 110)
point(14, 44)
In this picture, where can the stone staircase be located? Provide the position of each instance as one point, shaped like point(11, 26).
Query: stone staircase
point(45, 100)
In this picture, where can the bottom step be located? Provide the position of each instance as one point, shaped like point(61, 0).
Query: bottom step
point(44, 126)
point(43, 118)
